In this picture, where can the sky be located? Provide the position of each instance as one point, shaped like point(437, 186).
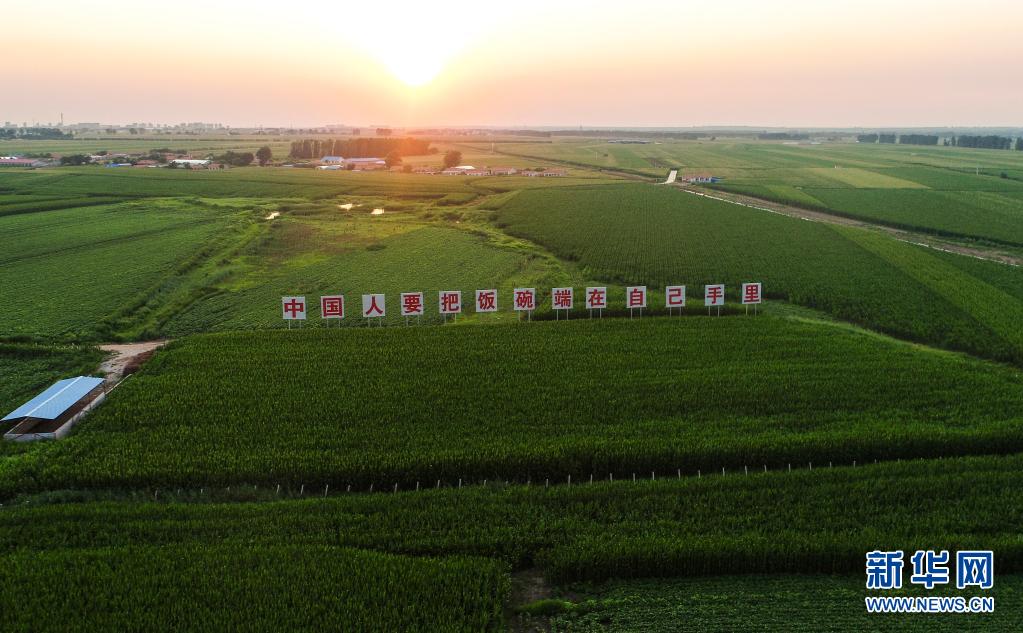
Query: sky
point(783, 63)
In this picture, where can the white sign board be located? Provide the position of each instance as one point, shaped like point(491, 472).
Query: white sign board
point(412, 304)
point(332, 307)
point(635, 297)
point(486, 300)
point(751, 294)
point(450, 301)
point(714, 295)
point(674, 296)
point(561, 298)
point(596, 298)
point(293, 308)
point(525, 299)
point(373, 306)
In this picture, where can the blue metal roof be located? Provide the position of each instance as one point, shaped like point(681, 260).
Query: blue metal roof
point(53, 402)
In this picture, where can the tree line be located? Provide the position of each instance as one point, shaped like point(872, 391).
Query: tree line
point(33, 133)
point(982, 142)
point(360, 147)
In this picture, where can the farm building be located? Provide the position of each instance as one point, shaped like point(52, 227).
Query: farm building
point(333, 160)
point(503, 171)
point(701, 178)
point(365, 164)
point(546, 173)
point(14, 161)
point(51, 414)
point(192, 163)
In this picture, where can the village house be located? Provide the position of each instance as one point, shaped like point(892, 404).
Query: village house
point(503, 171)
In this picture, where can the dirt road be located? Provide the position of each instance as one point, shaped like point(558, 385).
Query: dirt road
point(126, 356)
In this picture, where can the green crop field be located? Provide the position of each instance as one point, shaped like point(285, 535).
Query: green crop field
point(776, 602)
point(954, 192)
point(694, 393)
point(481, 473)
point(659, 236)
point(287, 587)
point(808, 522)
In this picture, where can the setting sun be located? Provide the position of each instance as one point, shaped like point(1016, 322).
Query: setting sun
point(412, 69)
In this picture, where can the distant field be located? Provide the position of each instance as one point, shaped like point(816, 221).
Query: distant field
point(689, 393)
point(943, 190)
point(135, 144)
point(659, 236)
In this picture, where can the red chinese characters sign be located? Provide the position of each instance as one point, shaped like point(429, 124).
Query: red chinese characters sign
point(674, 297)
point(293, 308)
point(751, 294)
point(714, 295)
point(486, 301)
point(332, 307)
point(635, 297)
point(450, 301)
point(561, 298)
point(412, 304)
point(596, 298)
point(525, 299)
point(373, 306)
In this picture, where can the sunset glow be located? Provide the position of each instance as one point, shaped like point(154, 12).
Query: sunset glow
point(647, 62)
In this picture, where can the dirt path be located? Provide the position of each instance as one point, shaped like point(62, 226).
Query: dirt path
point(126, 356)
point(911, 237)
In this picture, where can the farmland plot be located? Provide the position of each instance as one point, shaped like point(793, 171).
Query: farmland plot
point(309, 407)
point(655, 236)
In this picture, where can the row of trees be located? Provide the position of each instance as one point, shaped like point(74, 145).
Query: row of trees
point(983, 142)
point(918, 139)
point(359, 147)
point(33, 133)
point(876, 138)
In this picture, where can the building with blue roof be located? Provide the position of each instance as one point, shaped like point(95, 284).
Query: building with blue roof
point(52, 413)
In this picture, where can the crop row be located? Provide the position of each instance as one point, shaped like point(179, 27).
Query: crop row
point(362, 407)
point(641, 234)
point(820, 521)
point(201, 587)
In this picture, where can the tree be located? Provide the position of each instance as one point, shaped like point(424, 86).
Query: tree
point(393, 158)
point(74, 159)
point(236, 159)
point(452, 158)
point(264, 154)
point(1019, 144)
